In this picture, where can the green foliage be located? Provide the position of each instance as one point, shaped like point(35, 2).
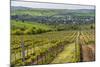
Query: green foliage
point(40, 43)
point(17, 32)
point(19, 27)
point(67, 55)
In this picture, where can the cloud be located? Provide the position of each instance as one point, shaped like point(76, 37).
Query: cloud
point(49, 5)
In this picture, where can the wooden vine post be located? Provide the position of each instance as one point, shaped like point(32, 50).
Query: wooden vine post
point(23, 49)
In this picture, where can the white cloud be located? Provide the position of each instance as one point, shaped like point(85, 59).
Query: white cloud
point(49, 5)
point(84, 2)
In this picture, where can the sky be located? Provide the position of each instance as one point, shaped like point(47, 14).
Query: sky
point(84, 2)
point(49, 5)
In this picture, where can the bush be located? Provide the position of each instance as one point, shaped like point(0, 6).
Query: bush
point(17, 32)
point(41, 30)
point(30, 31)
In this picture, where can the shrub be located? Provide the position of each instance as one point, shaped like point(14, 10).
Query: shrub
point(18, 32)
point(30, 31)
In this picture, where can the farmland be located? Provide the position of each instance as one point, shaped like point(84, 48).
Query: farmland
point(50, 47)
point(41, 44)
point(51, 36)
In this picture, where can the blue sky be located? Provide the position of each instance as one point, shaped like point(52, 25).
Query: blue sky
point(49, 5)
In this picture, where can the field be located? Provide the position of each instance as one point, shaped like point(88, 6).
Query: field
point(51, 36)
point(51, 47)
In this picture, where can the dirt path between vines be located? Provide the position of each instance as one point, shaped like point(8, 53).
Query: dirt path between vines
point(88, 53)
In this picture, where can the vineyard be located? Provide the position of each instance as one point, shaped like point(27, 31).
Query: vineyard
point(51, 47)
point(51, 34)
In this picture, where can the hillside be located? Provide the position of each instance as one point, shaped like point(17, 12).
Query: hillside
point(53, 16)
point(19, 27)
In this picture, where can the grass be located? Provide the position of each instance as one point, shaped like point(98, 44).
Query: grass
point(29, 24)
point(34, 12)
point(19, 27)
point(67, 55)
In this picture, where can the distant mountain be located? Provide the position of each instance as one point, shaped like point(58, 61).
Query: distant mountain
point(19, 8)
point(43, 15)
point(23, 8)
point(15, 8)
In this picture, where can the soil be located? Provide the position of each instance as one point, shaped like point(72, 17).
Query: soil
point(88, 53)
